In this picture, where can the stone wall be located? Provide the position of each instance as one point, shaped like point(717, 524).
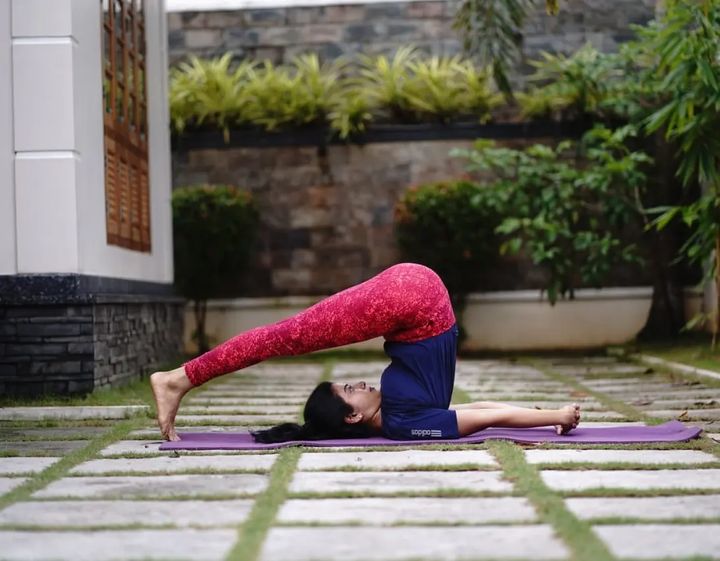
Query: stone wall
point(278, 34)
point(328, 218)
point(77, 344)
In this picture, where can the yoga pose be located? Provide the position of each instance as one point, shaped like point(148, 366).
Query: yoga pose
point(409, 306)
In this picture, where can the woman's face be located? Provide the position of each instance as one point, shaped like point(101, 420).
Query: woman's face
point(364, 399)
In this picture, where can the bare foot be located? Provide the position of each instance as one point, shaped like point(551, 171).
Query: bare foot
point(168, 389)
point(572, 418)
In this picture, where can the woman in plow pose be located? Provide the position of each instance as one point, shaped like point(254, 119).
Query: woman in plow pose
point(409, 306)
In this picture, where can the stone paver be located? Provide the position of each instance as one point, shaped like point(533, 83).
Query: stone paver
point(597, 415)
point(154, 433)
point(176, 464)
point(393, 460)
point(384, 482)
point(686, 414)
point(259, 393)
point(715, 436)
point(41, 447)
point(390, 544)
point(7, 484)
point(675, 394)
point(26, 465)
point(71, 412)
point(118, 513)
point(239, 419)
point(51, 433)
point(258, 402)
point(242, 410)
point(152, 448)
point(674, 403)
point(544, 404)
point(381, 511)
point(633, 479)
point(608, 456)
point(617, 368)
point(655, 541)
point(153, 486)
point(647, 508)
point(125, 545)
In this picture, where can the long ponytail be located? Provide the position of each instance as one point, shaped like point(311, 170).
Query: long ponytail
point(324, 416)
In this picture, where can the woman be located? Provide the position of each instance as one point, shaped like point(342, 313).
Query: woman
point(409, 306)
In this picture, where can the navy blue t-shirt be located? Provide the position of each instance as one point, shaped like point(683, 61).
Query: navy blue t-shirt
point(417, 386)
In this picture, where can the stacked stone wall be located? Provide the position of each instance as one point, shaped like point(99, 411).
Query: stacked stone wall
point(76, 348)
point(278, 34)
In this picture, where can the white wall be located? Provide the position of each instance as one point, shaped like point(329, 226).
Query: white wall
point(58, 140)
point(8, 258)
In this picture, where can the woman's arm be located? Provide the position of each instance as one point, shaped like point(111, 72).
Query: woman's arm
point(473, 420)
point(483, 405)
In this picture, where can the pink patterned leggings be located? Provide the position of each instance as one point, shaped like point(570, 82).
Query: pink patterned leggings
point(406, 302)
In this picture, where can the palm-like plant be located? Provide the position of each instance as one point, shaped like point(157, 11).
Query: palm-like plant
point(208, 91)
point(575, 85)
point(492, 33)
point(383, 81)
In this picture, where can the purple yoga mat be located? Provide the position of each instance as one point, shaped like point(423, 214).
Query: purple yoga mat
point(674, 431)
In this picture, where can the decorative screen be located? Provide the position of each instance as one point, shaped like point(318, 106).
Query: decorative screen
point(127, 193)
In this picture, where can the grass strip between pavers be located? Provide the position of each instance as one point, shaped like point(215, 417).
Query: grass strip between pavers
point(254, 530)
point(610, 402)
point(62, 467)
point(577, 534)
point(620, 406)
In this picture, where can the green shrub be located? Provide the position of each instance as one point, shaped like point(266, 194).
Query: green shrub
point(214, 229)
point(572, 86)
point(301, 93)
point(411, 88)
point(449, 226)
point(207, 91)
point(567, 213)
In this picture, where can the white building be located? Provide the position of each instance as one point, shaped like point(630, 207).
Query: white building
point(86, 264)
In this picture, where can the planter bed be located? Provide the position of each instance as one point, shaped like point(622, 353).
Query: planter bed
point(201, 138)
point(519, 320)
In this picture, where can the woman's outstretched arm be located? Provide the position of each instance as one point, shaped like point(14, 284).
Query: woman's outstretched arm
point(473, 420)
point(484, 405)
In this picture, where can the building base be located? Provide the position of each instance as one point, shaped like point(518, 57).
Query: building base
point(72, 334)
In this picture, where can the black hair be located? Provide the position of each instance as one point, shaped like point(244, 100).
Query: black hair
point(324, 416)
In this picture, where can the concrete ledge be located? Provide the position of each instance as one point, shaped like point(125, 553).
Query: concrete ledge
point(675, 367)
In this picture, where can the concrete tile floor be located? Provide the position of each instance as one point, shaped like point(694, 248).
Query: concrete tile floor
point(151, 505)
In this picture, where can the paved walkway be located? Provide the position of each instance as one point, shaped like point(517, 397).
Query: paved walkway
point(99, 489)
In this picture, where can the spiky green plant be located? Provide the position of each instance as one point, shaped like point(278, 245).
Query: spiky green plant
point(574, 86)
point(299, 94)
point(383, 81)
point(208, 91)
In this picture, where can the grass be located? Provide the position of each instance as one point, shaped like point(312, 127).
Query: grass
point(62, 467)
point(253, 532)
point(693, 349)
point(577, 534)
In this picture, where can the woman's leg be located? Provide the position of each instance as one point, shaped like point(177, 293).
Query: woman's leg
point(407, 302)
